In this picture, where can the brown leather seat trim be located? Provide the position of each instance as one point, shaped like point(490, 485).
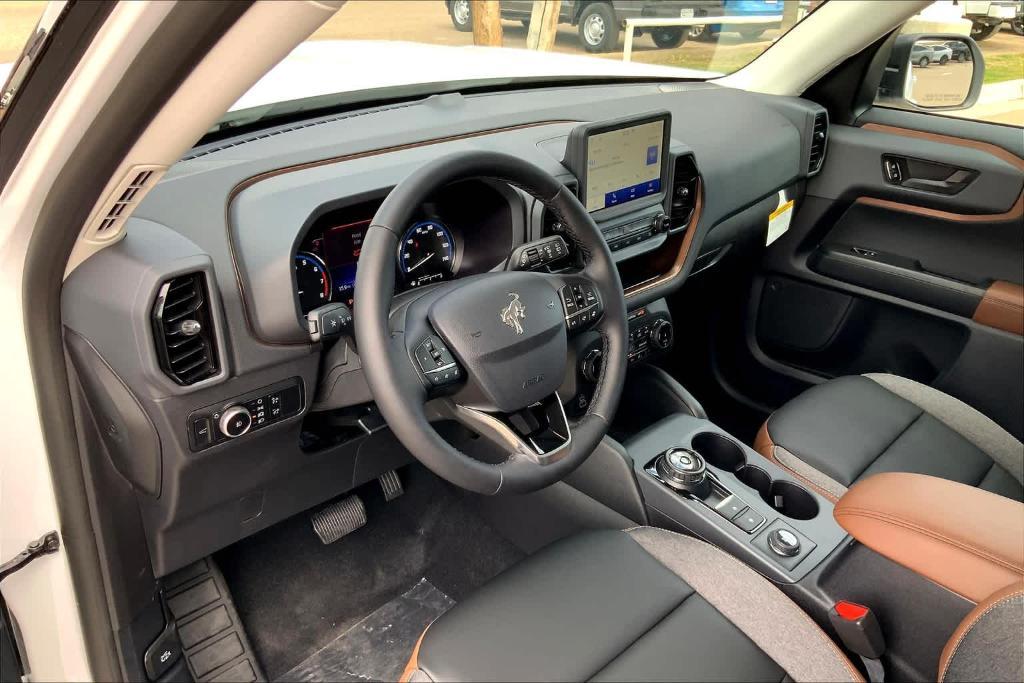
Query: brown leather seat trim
point(764, 445)
point(961, 537)
point(984, 607)
point(414, 661)
point(1002, 307)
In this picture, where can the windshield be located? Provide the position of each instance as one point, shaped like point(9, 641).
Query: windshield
point(375, 50)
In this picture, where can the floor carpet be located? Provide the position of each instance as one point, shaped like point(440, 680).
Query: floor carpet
point(295, 595)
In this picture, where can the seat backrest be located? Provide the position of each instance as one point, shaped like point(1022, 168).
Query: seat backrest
point(988, 645)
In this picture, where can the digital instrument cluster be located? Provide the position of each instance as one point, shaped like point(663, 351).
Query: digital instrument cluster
point(325, 265)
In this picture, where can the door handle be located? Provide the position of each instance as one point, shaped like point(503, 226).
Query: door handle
point(928, 176)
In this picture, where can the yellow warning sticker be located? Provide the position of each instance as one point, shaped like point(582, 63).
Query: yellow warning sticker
point(778, 221)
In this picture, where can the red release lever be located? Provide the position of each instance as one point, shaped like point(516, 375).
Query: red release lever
point(851, 611)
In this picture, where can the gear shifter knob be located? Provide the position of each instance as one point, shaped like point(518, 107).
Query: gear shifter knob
point(684, 470)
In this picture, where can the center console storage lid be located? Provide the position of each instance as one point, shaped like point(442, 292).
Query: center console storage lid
point(961, 537)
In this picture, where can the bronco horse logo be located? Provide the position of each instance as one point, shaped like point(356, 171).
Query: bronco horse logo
point(513, 313)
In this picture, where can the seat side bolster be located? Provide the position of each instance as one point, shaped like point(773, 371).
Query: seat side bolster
point(752, 603)
point(974, 650)
point(968, 422)
point(819, 481)
point(412, 672)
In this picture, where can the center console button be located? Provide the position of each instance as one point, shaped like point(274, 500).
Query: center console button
point(748, 520)
point(783, 542)
point(730, 507)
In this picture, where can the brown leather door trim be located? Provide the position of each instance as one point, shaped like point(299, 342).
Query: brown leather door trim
point(1015, 212)
point(994, 150)
point(1002, 307)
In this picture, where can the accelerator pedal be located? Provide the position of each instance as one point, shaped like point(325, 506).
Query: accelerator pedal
point(392, 485)
point(339, 519)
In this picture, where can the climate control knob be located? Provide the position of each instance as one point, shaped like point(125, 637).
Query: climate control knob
point(235, 421)
point(662, 334)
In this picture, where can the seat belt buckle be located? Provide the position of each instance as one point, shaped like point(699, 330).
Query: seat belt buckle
point(858, 628)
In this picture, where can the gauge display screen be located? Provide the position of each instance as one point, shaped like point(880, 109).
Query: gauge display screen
point(426, 253)
point(325, 265)
point(342, 245)
point(312, 281)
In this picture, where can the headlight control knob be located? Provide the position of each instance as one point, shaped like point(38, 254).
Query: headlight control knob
point(235, 421)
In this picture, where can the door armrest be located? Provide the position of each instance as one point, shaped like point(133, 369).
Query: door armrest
point(965, 539)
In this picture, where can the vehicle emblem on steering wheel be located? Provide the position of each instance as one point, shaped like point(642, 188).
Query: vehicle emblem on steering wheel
point(513, 313)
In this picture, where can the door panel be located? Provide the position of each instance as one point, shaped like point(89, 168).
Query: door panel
point(854, 169)
point(920, 280)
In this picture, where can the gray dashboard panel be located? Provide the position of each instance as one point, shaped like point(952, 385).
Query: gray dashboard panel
point(746, 147)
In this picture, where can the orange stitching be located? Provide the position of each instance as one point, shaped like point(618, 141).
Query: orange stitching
point(974, 623)
point(823, 492)
point(907, 524)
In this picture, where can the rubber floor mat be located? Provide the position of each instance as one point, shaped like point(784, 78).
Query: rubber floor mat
point(378, 647)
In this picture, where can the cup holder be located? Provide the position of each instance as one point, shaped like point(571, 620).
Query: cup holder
point(719, 451)
point(792, 500)
point(788, 498)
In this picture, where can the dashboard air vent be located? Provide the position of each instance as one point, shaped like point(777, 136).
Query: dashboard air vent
point(819, 136)
point(685, 181)
point(183, 330)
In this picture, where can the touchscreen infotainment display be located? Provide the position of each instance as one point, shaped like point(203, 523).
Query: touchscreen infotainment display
point(624, 164)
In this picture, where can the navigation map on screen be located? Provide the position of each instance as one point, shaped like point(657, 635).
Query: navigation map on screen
point(624, 164)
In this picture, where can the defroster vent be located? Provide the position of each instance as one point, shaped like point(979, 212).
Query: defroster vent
point(183, 330)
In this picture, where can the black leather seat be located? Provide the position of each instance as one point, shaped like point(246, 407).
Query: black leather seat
point(849, 428)
point(638, 605)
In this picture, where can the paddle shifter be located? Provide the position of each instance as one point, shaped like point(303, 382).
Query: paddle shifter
point(684, 470)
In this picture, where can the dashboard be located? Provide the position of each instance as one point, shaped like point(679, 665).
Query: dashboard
point(251, 233)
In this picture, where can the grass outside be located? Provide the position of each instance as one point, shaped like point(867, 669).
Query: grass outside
point(708, 57)
point(1004, 67)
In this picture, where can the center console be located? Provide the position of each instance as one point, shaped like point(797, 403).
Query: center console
point(697, 479)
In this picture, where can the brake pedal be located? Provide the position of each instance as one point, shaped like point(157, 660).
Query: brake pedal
point(392, 485)
point(339, 519)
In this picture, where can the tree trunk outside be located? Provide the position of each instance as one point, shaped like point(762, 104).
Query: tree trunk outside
point(486, 23)
point(543, 25)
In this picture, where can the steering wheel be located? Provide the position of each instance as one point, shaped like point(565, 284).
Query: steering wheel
point(489, 351)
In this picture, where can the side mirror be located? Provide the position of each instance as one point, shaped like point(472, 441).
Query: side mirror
point(933, 72)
